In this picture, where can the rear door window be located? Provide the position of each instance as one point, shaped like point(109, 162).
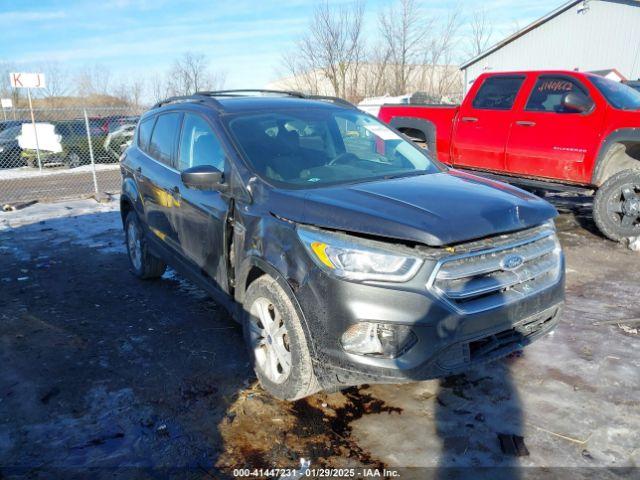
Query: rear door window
point(498, 93)
point(549, 91)
point(163, 138)
point(144, 133)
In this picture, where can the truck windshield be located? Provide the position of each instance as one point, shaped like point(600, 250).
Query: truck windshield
point(317, 147)
point(617, 94)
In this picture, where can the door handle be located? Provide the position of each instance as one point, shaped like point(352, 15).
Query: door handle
point(469, 119)
point(137, 174)
point(175, 191)
point(525, 123)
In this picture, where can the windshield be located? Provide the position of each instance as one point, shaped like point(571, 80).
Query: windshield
point(617, 94)
point(10, 133)
point(317, 147)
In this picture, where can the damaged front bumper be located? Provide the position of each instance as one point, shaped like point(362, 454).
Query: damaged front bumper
point(440, 336)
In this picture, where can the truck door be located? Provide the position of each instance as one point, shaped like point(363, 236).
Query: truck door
point(202, 214)
point(483, 123)
point(548, 140)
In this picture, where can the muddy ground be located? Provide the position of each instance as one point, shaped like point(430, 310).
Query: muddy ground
point(106, 374)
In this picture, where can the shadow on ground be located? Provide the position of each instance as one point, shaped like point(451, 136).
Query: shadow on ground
point(102, 371)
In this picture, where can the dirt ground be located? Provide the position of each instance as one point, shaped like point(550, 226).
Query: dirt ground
point(106, 374)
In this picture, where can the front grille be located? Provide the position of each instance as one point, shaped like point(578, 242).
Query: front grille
point(482, 277)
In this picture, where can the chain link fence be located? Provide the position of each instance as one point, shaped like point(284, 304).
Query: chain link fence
point(68, 153)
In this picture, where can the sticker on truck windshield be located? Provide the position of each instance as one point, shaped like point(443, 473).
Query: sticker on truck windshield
point(382, 132)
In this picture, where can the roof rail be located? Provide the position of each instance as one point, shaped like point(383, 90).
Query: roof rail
point(327, 98)
point(239, 92)
point(197, 97)
point(209, 97)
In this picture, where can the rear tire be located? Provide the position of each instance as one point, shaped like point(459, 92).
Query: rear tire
point(276, 342)
point(616, 208)
point(143, 264)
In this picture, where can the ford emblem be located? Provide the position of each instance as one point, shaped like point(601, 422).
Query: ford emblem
point(511, 262)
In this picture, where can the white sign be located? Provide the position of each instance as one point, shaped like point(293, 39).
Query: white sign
point(47, 139)
point(382, 132)
point(6, 103)
point(27, 80)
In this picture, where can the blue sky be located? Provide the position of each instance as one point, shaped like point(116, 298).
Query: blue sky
point(142, 37)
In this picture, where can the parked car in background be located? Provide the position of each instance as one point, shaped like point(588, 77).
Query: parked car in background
point(74, 144)
point(120, 137)
point(40, 137)
point(349, 255)
point(10, 123)
point(10, 151)
point(545, 129)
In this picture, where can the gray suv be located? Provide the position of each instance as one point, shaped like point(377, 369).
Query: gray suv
point(348, 254)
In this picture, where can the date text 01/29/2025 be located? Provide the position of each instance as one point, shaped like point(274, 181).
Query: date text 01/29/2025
point(315, 473)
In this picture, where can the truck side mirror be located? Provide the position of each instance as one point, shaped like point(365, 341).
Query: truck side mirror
point(577, 102)
point(203, 177)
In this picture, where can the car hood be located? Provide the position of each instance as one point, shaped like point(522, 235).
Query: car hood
point(433, 209)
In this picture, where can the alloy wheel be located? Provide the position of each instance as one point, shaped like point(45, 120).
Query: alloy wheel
point(134, 245)
point(270, 341)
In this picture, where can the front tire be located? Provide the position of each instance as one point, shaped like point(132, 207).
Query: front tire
point(276, 342)
point(616, 208)
point(143, 264)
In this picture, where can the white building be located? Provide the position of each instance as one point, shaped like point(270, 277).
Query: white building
point(585, 35)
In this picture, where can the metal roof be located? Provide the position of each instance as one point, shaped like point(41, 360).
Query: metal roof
point(519, 33)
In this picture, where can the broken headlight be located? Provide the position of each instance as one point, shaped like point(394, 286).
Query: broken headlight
point(378, 339)
point(351, 259)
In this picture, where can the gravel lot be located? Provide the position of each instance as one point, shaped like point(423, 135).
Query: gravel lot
point(101, 371)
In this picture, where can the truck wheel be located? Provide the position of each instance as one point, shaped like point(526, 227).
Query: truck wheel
point(276, 341)
point(143, 263)
point(616, 208)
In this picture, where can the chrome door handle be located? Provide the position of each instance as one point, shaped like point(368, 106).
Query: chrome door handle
point(525, 123)
point(469, 119)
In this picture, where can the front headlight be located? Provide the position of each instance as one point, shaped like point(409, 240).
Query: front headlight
point(351, 259)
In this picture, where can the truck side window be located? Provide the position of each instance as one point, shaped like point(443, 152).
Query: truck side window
point(199, 145)
point(498, 93)
point(549, 91)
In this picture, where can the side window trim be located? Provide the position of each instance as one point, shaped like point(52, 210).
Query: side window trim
point(522, 79)
point(573, 80)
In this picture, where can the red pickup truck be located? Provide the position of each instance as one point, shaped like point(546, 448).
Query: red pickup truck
point(553, 130)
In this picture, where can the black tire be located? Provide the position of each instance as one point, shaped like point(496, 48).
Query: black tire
point(616, 208)
point(143, 264)
point(300, 380)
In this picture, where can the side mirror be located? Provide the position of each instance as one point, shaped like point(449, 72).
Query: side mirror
point(577, 102)
point(203, 177)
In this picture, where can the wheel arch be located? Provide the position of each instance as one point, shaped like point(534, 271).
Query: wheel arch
point(425, 127)
point(254, 268)
point(130, 200)
point(619, 151)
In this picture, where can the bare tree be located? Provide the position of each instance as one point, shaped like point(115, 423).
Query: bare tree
point(440, 77)
point(130, 92)
point(56, 82)
point(93, 81)
point(404, 29)
point(481, 31)
point(190, 73)
point(332, 50)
